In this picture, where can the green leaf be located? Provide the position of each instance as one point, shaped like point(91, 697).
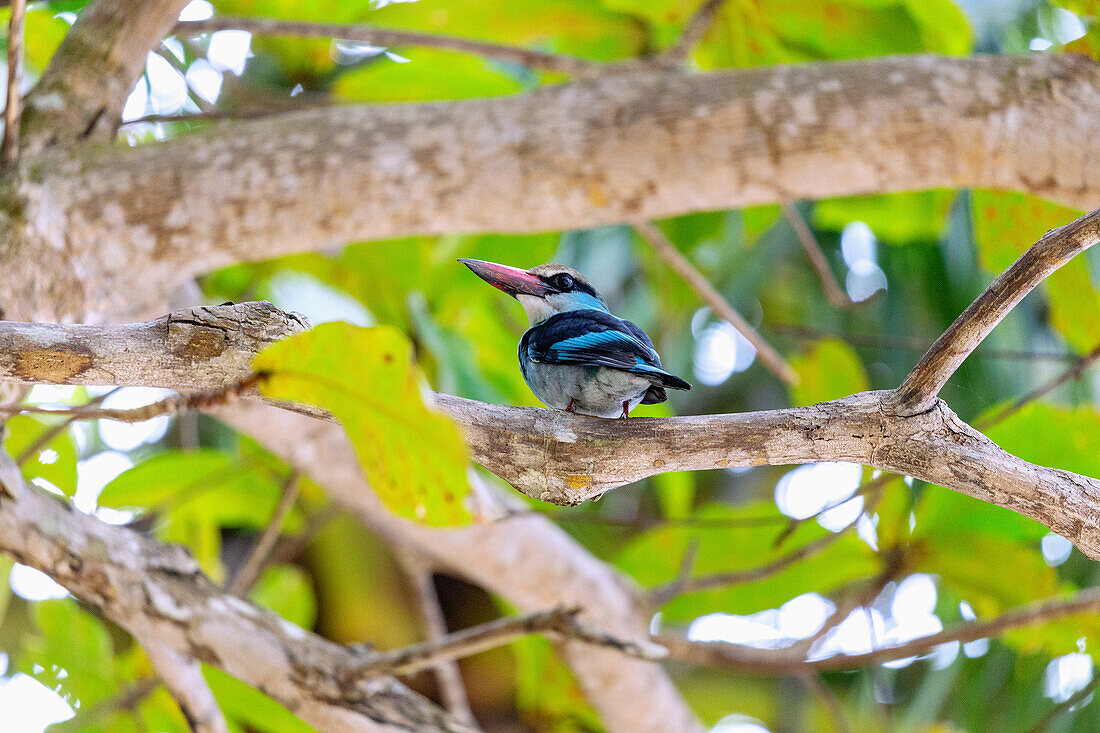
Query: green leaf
point(74, 640)
point(202, 483)
point(828, 371)
point(249, 708)
point(895, 218)
point(964, 563)
point(429, 74)
point(1005, 225)
point(1053, 436)
point(285, 589)
point(54, 462)
point(414, 458)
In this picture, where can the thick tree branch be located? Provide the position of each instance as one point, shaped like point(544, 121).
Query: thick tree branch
point(206, 348)
point(81, 93)
point(566, 459)
point(156, 592)
point(384, 37)
point(626, 147)
point(1056, 248)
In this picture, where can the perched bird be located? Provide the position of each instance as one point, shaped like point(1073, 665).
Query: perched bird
point(577, 356)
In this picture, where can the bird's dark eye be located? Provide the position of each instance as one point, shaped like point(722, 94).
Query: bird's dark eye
point(563, 282)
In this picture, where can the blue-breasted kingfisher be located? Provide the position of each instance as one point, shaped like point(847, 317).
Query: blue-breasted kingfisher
point(577, 356)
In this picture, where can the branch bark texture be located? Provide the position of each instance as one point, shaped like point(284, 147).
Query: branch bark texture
point(156, 591)
point(81, 93)
point(619, 148)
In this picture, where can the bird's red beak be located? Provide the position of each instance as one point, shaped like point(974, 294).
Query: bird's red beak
point(511, 280)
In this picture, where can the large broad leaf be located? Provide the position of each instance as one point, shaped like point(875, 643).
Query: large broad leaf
point(1054, 436)
point(1005, 225)
point(759, 32)
point(414, 458)
point(428, 74)
point(197, 493)
point(828, 371)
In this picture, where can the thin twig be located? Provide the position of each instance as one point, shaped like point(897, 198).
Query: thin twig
point(1042, 390)
point(781, 661)
point(698, 282)
point(288, 548)
point(1073, 701)
point(125, 701)
point(662, 594)
point(694, 30)
point(946, 355)
point(167, 406)
point(9, 147)
point(385, 37)
point(833, 292)
point(260, 555)
point(43, 440)
point(447, 674)
point(560, 621)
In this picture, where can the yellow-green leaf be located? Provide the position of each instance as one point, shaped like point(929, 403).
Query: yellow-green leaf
point(414, 458)
point(828, 371)
point(1005, 225)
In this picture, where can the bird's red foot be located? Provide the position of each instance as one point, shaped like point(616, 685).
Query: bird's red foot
point(626, 411)
point(572, 406)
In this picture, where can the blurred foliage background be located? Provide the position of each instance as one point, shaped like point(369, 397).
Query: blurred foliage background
point(911, 261)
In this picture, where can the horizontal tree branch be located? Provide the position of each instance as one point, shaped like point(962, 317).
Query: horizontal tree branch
point(566, 459)
point(110, 230)
point(777, 661)
point(157, 592)
point(943, 358)
point(206, 348)
point(384, 37)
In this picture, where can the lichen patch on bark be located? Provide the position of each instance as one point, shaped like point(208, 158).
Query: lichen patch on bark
point(55, 365)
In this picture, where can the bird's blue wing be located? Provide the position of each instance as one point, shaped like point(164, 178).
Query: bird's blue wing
point(592, 338)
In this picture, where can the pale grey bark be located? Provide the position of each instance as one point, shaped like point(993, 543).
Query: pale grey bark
point(157, 592)
point(81, 94)
point(105, 232)
point(182, 675)
point(202, 348)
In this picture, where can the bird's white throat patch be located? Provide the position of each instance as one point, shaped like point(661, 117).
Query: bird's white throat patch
point(538, 309)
